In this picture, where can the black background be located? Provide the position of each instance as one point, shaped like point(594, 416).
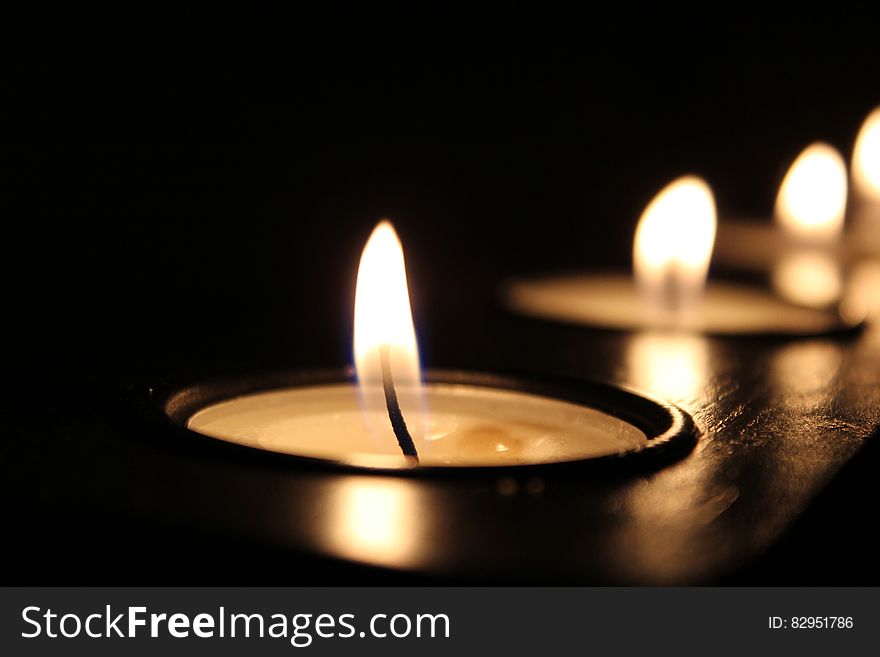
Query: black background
point(187, 192)
point(201, 184)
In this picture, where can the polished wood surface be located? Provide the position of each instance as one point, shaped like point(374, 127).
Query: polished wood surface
point(779, 420)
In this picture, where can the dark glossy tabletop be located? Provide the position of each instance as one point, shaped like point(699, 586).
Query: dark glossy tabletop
point(779, 420)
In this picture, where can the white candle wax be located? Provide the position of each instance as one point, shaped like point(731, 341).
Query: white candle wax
point(614, 301)
point(466, 426)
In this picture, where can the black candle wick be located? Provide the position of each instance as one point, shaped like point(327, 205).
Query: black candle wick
point(405, 441)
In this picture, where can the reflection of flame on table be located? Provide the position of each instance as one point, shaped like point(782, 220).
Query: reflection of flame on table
point(375, 520)
point(808, 278)
point(671, 365)
point(863, 290)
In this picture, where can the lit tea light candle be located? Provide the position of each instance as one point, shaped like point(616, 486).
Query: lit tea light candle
point(808, 217)
point(865, 200)
point(392, 419)
point(811, 200)
point(810, 207)
point(671, 256)
point(812, 260)
point(863, 280)
point(803, 247)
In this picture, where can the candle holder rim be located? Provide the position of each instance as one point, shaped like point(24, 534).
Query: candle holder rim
point(670, 430)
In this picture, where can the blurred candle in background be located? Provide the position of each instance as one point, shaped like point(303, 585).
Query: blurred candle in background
point(863, 285)
point(810, 208)
point(673, 247)
point(865, 202)
point(866, 163)
point(668, 288)
point(811, 200)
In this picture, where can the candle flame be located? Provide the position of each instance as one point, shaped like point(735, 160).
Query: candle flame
point(673, 244)
point(812, 198)
point(383, 317)
point(866, 159)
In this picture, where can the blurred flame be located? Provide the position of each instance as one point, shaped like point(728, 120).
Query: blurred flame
point(673, 243)
point(382, 316)
point(812, 198)
point(866, 158)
